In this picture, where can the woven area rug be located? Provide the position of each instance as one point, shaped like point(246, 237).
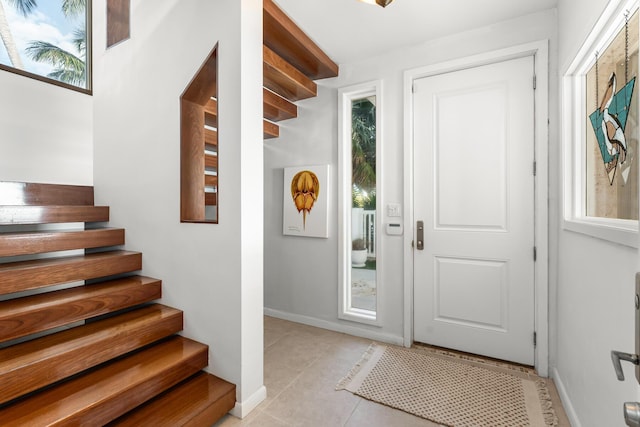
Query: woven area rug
point(449, 391)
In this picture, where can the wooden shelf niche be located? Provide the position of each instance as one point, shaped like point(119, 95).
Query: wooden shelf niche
point(199, 145)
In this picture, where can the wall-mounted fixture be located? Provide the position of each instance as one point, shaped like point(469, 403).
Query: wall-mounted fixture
point(383, 3)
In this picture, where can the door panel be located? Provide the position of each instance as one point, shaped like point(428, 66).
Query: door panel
point(479, 203)
point(484, 283)
point(474, 189)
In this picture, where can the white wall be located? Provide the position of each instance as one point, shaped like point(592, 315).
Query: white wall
point(46, 132)
point(301, 275)
point(595, 286)
point(212, 272)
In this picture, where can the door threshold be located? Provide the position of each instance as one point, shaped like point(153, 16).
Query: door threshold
point(526, 369)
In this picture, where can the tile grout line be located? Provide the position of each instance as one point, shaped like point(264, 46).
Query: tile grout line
point(360, 399)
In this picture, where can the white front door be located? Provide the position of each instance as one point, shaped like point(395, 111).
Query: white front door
point(474, 191)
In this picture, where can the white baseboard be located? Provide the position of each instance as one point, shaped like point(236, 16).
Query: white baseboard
point(566, 401)
point(242, 409)
point(337, 327)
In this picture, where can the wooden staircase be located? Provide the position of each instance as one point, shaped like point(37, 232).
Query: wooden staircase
point(291, 64)
point(98, 352)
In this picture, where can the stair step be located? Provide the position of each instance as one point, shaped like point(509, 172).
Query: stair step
point(211, 138)
point(27, 193)
point(210, 161)
point(34, 274)
point(34, 364)
point(283, 36)
point(211, 108)
point(270, 130)
point(276, 108)
point(209, 399)
point(29, 243)
point(210, 199)
point(110, 391)
point(12, 215)
point(28, 315)
point(210, 180)
point(284, 79)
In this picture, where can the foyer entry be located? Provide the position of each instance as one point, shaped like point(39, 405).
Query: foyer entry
point(474, 184)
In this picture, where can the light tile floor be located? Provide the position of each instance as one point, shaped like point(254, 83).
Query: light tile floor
point(302, 366)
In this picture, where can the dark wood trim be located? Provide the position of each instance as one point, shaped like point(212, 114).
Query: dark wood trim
point(27, 193)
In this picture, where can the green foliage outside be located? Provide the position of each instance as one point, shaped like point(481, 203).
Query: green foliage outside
point(363, 153)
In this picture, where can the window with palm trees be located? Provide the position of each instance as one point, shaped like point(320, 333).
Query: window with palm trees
point(47, 40)
point(359, 165)
point(363, 208)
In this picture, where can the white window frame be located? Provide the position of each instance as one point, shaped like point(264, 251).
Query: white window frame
point(346, 96)
point(620, 231)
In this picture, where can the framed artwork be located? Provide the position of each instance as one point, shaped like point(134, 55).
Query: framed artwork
point(600, 139)
point(305, 207)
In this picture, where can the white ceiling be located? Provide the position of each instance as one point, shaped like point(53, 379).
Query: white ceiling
point(349, 30)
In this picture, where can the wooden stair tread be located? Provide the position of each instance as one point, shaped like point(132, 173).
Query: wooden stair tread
point(211, 137)
point(283, 36)
point(23, 316)
point(28, 193)
point(34, 274)
point(211, 180)
point(270, 130)
point(34, 364)
point(210, 161)
point(211, 113)
point(29, 243)
point(211, 107)
point(284, 79)
point(209, 398)
point(210, 199)
point(276, 108)
point(11, 215)
point(106, 393)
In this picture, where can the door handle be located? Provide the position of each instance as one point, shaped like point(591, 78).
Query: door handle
point(617, 356)
point(420, 235)
point(632, 414)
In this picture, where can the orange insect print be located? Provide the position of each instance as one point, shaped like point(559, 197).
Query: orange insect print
point(305, 189)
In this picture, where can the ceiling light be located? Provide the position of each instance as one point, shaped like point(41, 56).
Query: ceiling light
point(383, 3)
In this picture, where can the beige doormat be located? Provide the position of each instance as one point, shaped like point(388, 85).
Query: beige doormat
point(449, 391)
